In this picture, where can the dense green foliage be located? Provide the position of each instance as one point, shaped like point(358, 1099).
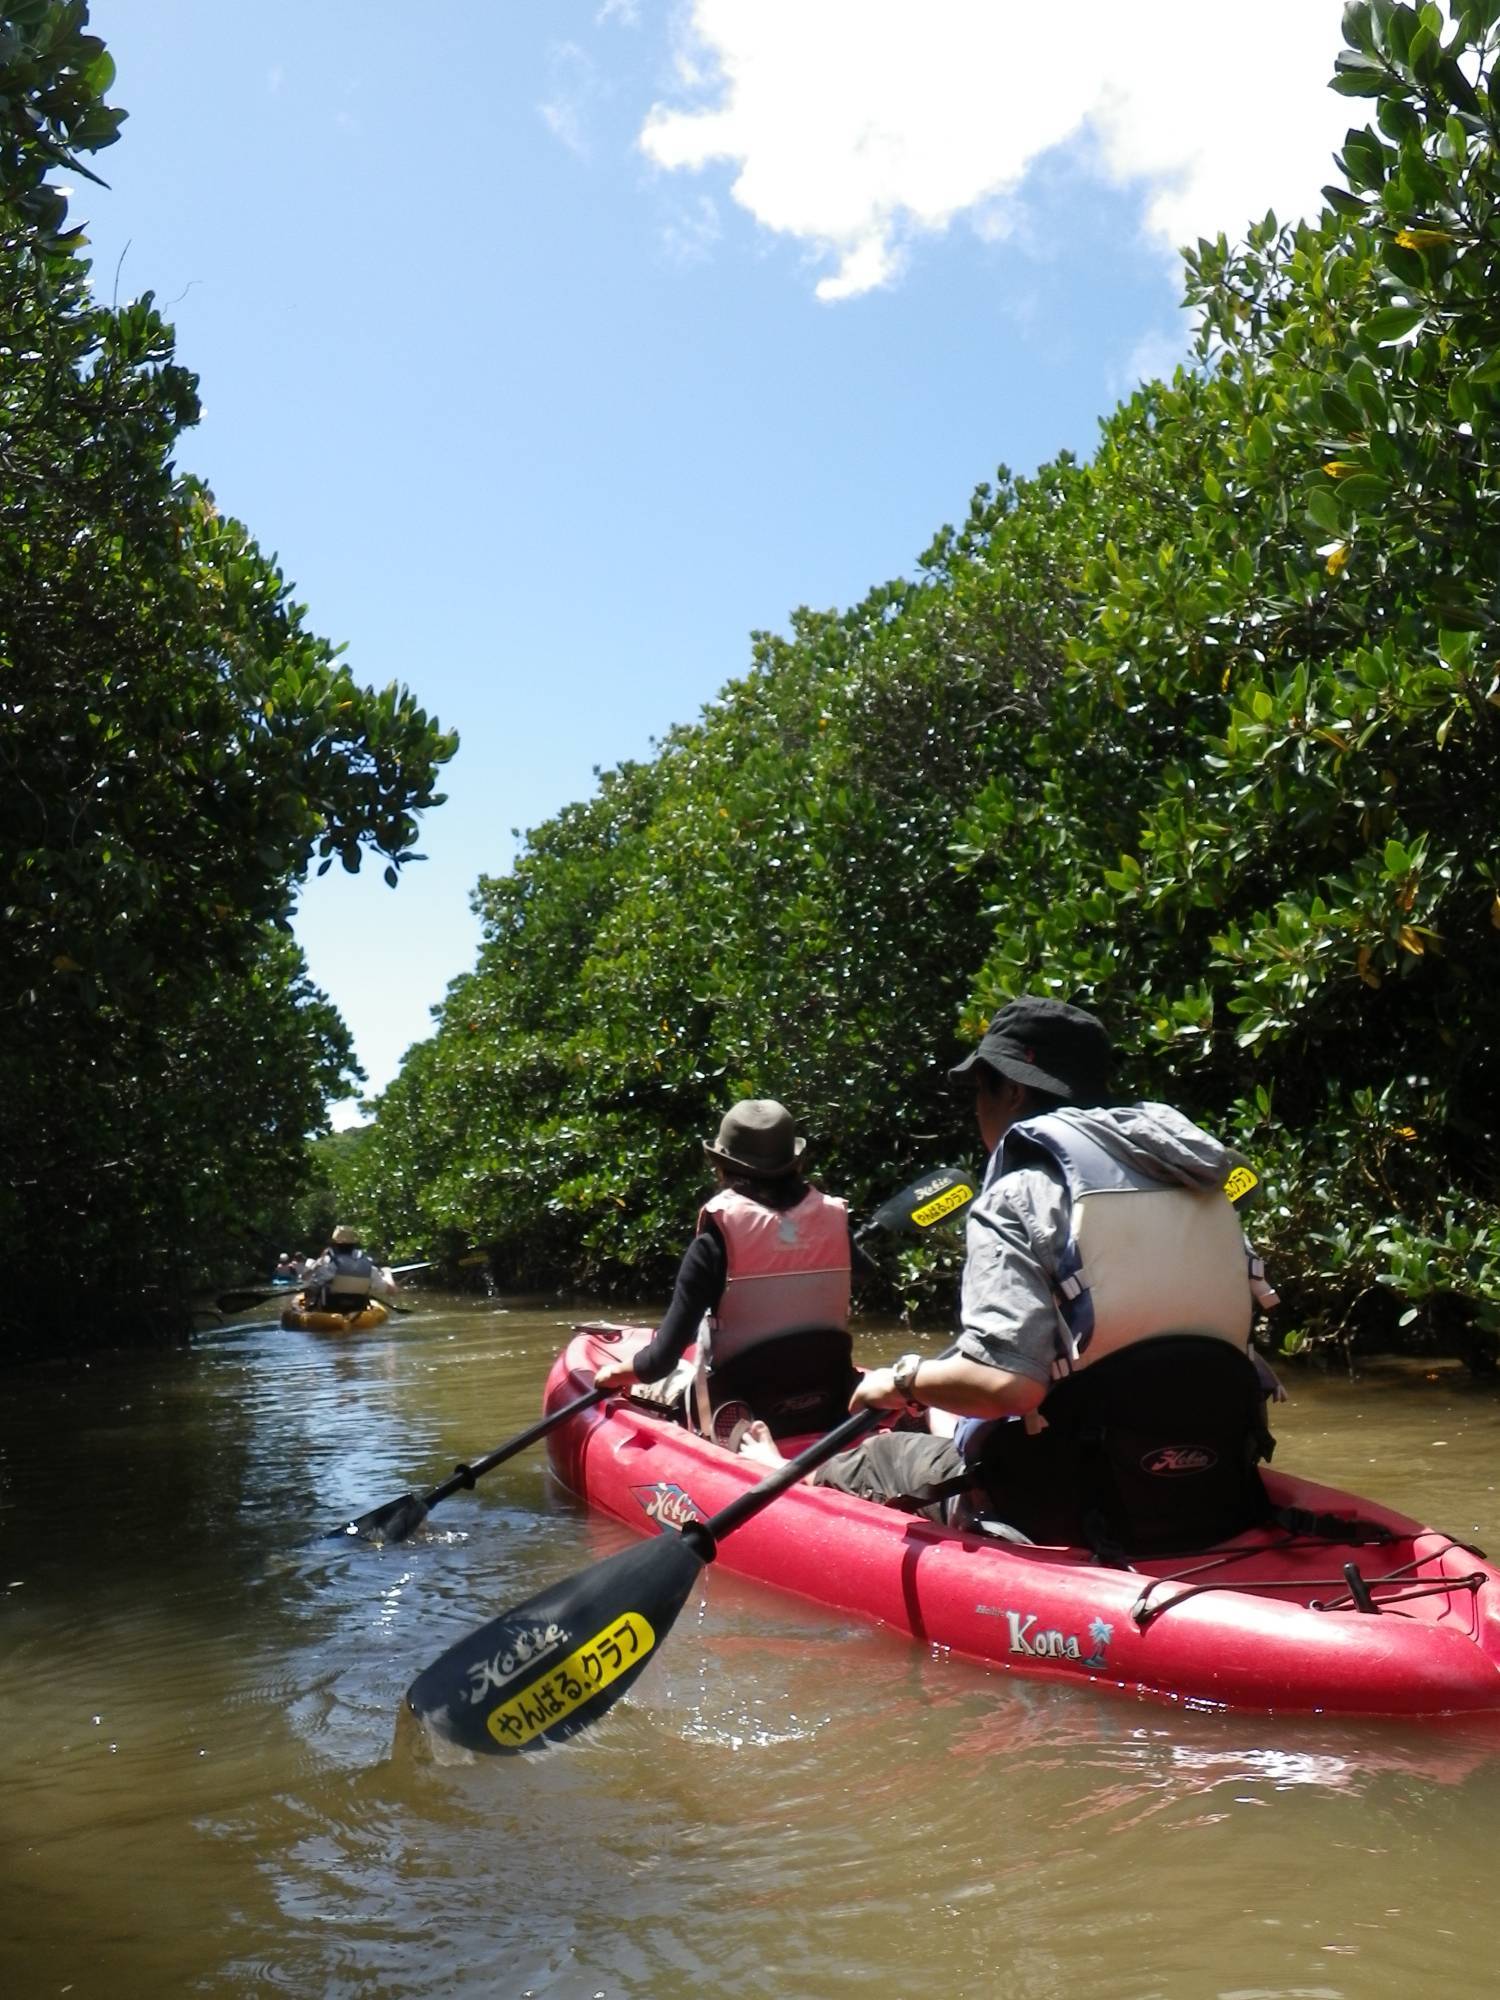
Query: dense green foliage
point(1286, 688)
point(1204, 734)
point(176, 748)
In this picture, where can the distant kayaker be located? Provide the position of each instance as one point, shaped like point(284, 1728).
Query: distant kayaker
point(345, 1279)
point(763, 1288)
point(1098, 1228)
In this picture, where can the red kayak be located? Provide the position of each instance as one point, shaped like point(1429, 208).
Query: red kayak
point(1370, 1615)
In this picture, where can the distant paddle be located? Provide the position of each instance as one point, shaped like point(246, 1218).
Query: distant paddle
point(245, 1296)
point(256, 1295)
point(550, 1667)
point(401, 1517)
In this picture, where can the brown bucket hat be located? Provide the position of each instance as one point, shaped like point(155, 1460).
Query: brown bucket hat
point(757, 1136)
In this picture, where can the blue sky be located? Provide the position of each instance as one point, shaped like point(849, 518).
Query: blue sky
point(554, 346)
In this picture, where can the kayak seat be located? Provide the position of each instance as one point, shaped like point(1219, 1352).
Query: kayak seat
point(796, 1384)
point(1152, 1451)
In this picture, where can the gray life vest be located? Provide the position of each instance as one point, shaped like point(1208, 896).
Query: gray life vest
point(352, 1282)
point(1143, 1256)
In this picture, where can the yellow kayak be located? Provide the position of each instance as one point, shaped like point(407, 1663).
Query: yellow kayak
point(297, 1318)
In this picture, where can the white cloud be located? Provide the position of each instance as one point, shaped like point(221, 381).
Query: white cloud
point(1152, 359)
point(563, 118)
point(856, 126)
point(567, 113)
point(689, 236)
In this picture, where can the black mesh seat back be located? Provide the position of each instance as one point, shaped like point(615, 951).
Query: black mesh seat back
point(1163, 1440)
point(798, 1383)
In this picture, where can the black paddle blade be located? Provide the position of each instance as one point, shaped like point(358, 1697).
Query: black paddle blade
point(550, 1667)
point(943, 1192)
point(391, 1523)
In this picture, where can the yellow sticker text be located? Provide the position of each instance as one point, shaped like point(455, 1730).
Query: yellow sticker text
point(624, 1643)
point(943, 1204)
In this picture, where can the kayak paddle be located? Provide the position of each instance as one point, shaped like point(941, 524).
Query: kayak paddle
point(933, 1198)
point(256, 1295)
point(948, 1191)
point(398, 1518)
point(246, 1296)
point(550, 1667)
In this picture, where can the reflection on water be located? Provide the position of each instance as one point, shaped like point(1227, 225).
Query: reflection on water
point(211, 1789)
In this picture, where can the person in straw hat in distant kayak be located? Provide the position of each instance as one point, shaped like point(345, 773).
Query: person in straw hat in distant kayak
point(345, 1278)
point(763, 1289)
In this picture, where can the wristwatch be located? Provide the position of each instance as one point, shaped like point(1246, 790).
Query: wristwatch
point(904, 1375)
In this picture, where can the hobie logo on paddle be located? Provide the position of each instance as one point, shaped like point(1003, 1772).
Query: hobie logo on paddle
point(555, 1695)
point(668, 1503)
point(943, 1204)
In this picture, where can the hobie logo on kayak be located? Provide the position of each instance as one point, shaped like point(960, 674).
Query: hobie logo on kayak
point(666, 1502)
point(1028, 1636)
point(1169, 1460)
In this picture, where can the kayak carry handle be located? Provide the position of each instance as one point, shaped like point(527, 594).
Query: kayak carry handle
point(1359, 1590)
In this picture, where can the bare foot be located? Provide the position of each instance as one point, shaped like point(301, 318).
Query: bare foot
point(758, 1445)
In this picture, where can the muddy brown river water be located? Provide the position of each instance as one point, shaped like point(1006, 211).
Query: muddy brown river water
point(204, 1790)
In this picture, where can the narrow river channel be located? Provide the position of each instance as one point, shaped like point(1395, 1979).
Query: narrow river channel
point(205, 1792)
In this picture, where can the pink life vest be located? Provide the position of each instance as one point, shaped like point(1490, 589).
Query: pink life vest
point(787, 1270)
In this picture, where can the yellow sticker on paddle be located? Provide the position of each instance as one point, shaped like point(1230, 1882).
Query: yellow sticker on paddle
point(553, 1696)
point(1240, 1183)
point(944, 1204)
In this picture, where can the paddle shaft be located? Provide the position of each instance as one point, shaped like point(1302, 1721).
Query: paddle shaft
point(465, 1475)
point(748, 1505)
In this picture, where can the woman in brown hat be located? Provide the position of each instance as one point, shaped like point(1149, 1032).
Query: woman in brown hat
point(763, 1289)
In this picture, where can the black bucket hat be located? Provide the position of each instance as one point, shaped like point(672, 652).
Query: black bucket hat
point(757, 1137)
point(1049, 1046)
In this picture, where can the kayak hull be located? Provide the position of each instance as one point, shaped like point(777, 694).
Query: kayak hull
point(1255, 1639)
point(298, 1319)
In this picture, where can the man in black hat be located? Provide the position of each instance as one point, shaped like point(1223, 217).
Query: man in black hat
point(1098, 1228)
